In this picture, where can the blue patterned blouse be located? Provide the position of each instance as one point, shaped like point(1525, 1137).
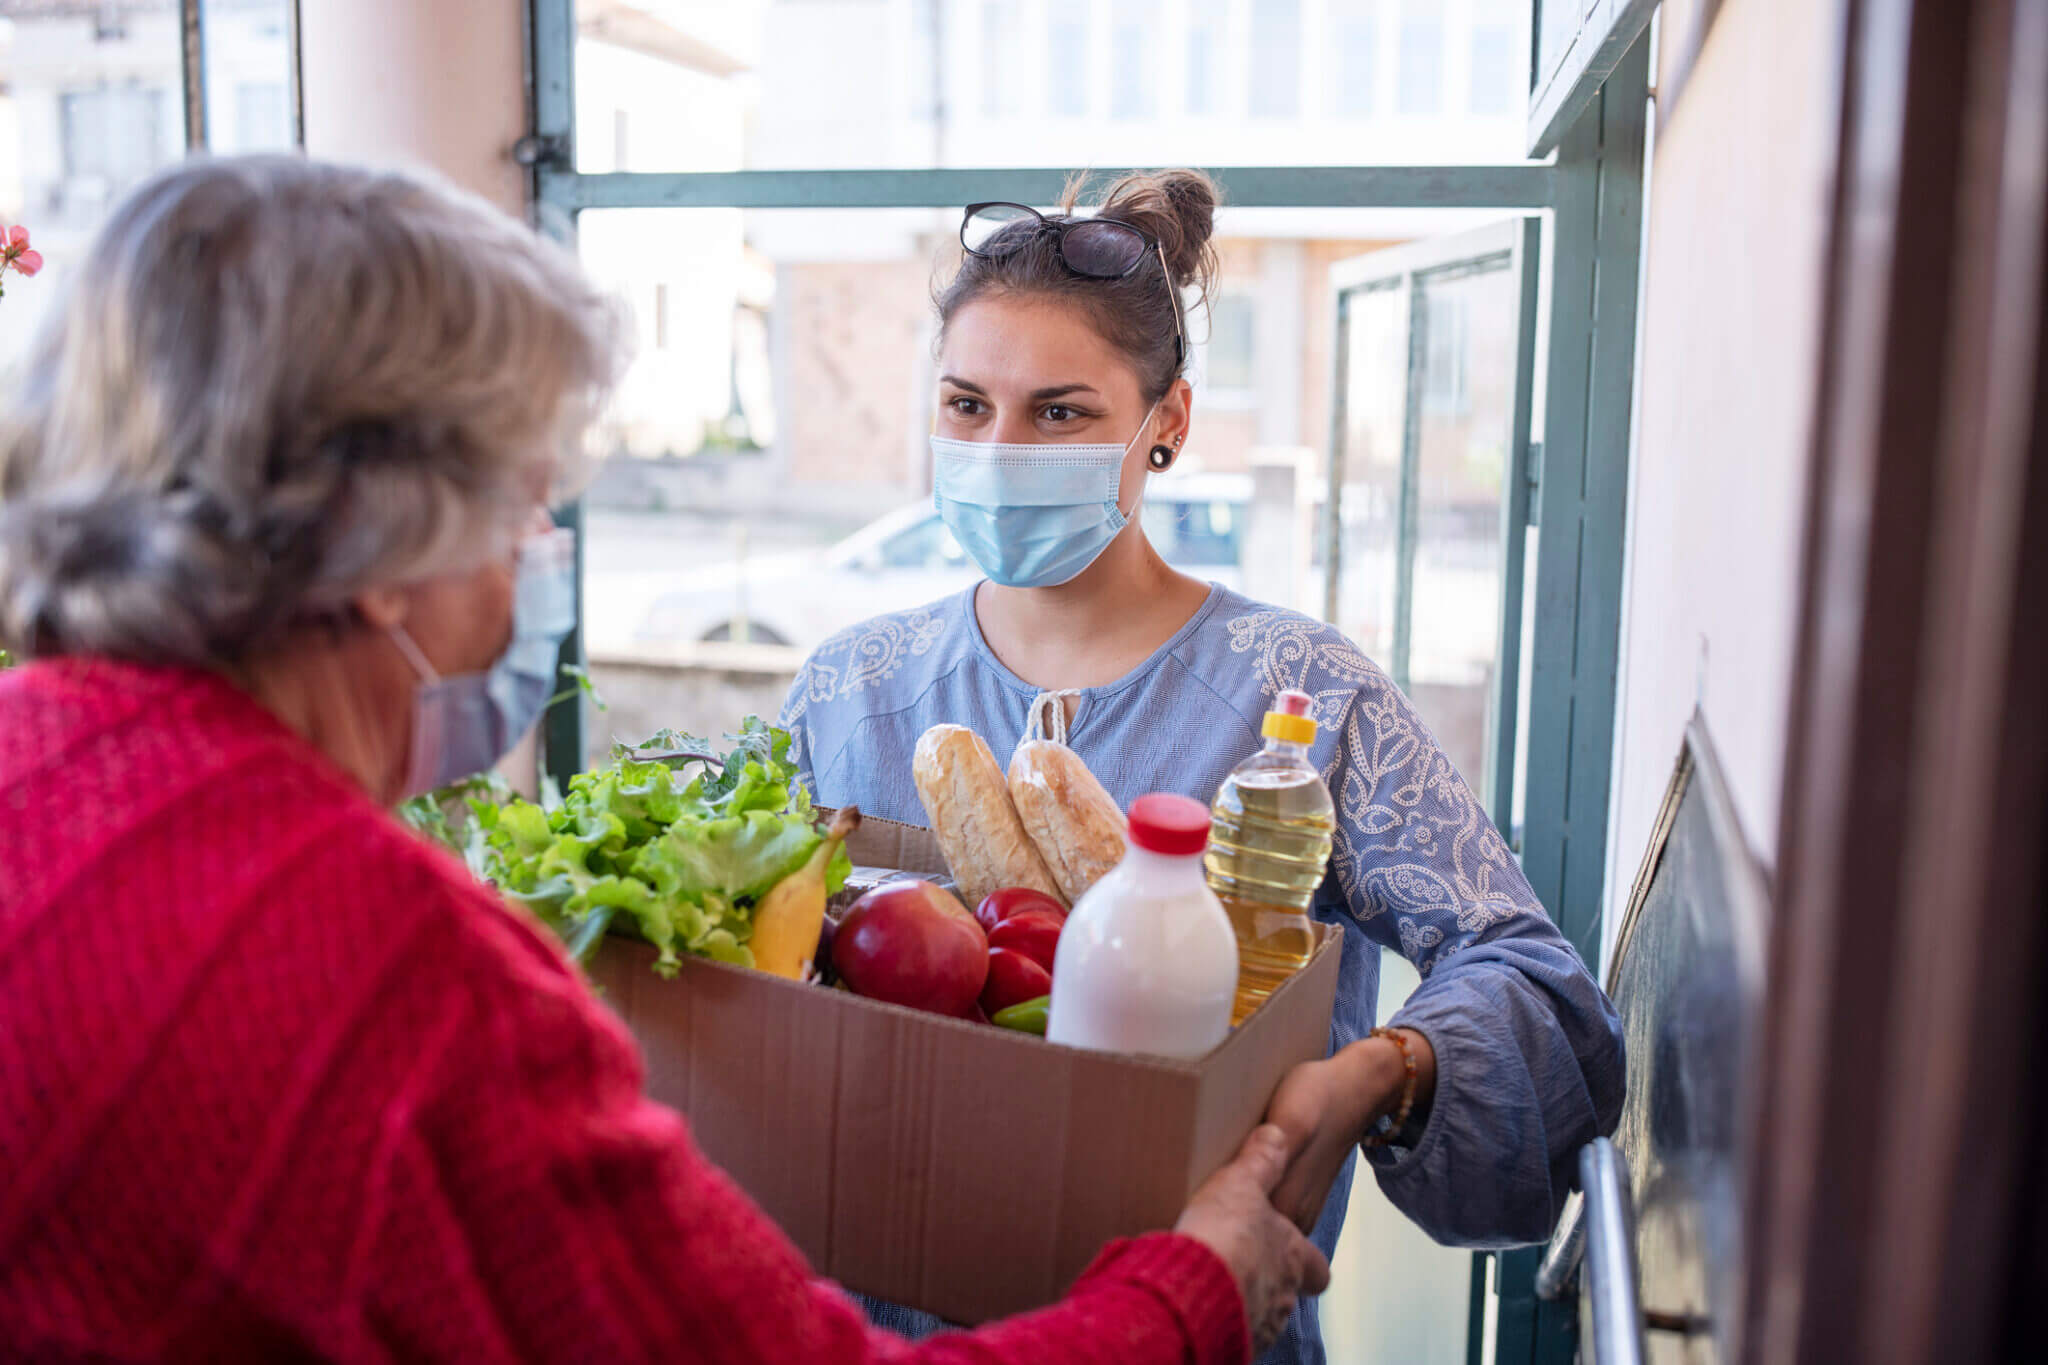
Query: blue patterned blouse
point(1528, 1049)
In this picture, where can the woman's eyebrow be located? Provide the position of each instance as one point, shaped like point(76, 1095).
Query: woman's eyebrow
point(1037, 395)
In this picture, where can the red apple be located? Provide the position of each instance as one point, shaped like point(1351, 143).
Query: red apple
point(950, 903)
point(1013, 978)
point(1030, 932)
point(998, 906)
point(900, 943)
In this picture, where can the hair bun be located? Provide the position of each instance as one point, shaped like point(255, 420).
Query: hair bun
point(1178, 208)
point(128, 572)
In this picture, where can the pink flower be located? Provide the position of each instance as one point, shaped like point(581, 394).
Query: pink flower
point(15, 253)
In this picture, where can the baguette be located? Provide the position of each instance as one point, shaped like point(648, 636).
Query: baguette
point(1075, 823)
point(977, 827)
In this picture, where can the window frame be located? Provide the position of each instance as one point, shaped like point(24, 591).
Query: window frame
point(192, 63)
point(1413, 18)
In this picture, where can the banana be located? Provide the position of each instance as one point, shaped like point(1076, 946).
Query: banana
point(787, 926)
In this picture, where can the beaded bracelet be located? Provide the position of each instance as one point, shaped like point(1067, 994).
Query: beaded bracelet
point(1388, 1131)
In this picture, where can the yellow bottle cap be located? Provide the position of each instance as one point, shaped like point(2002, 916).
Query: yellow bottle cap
point(1293, 729)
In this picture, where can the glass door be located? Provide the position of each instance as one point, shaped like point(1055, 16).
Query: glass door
point(1428, 496)
point(1427, 543)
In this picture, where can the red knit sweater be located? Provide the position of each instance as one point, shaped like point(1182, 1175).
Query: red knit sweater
point(277, 1081)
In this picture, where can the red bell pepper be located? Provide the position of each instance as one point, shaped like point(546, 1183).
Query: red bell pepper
point(1013, 978)
point(998, 906)
point(1030, 932)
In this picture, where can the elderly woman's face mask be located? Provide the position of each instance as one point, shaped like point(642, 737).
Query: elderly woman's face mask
point(463, 724)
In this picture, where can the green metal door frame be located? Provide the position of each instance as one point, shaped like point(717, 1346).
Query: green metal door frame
point(1593, 191)
point(551, 104)
point(1581, 507)
point(1582, 501)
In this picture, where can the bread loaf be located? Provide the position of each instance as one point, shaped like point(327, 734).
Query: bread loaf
point(978, 831)
point(1075, 823)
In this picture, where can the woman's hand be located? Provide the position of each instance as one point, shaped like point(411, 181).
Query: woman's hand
point(1324, 1108)
point(1233, 1215)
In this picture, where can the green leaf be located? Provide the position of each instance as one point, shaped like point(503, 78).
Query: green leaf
point(737, 857)
point(665, 741)
point(755, 766)
point(581, 677)
point(635, 847)
point(583, 936)
point(723, 947)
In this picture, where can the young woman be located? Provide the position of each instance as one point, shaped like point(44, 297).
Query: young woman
point(1062, 393)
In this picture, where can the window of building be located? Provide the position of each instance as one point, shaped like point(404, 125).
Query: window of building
point(922, 88)
point(1206, 38)
point(116, 134)
point(1001, 36)
point(1422, 59)
point(1066, 58)
point(1354, 54)
point(1495, 89)
point(1133, 37)
point(1276, 59)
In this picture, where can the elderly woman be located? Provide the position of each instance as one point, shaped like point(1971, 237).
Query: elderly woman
point(280, 1082)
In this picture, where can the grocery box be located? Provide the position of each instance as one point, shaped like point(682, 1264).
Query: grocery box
point(958, 1168)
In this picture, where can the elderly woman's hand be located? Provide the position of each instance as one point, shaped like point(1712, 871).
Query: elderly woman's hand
point(1233, 1215)
point(1324, 1107)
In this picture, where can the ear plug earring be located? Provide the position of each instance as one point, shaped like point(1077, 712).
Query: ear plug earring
point(1161, 459)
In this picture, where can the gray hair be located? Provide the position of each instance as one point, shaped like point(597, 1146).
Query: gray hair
point(274, 384)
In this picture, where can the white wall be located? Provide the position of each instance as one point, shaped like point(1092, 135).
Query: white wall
point(824, 62)
point(436, 83)
point(1731, 305)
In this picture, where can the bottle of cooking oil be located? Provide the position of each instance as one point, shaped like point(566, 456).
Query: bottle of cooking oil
point(1269, 843)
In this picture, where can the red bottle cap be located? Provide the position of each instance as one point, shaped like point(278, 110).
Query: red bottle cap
point(1293, 703)
point(1174, 825)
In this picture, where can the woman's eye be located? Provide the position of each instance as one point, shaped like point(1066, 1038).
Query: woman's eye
point(1059, 412)
point(964, 406)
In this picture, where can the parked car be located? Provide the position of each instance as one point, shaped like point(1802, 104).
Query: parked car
point(908, 558)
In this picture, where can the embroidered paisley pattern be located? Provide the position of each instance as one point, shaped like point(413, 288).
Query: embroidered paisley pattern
point(857, 658)
point(1417, 939)
point(1412, 839)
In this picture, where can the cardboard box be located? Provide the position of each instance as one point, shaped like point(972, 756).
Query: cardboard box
point(965, 1170)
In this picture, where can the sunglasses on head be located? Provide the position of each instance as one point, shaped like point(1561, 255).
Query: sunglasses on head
point(1095, 248)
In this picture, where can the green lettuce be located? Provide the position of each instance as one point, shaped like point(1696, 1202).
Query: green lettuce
point(447, 816)
point(680, 859)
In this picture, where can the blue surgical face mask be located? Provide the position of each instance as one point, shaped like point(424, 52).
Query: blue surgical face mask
point(1032, 516)
point(464, 724)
